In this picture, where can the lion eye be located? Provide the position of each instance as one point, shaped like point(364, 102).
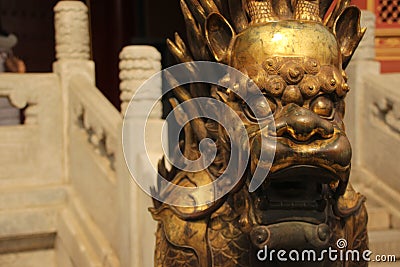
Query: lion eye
point(322, 106)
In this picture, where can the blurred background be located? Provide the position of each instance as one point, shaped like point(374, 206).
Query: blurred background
point(114, 24)
point(65, 193)
point(117, 23)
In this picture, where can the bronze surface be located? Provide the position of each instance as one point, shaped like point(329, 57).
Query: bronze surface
point(296, 54)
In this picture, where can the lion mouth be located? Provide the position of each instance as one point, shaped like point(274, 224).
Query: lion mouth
point(333, 154)
point(297, 193)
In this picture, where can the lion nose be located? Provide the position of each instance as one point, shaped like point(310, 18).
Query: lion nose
point(302, 124)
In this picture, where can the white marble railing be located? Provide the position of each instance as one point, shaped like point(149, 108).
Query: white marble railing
point(121, 229)
point(380, 140)
point(94, 173)
point(31, 163)
point(64, 182)
point(95, 115)
point(89, 231)
point(137, 65)
point(27, 147)
point(106, 207)
point(373, 124)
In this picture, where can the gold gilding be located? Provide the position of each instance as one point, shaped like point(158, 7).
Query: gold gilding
point(297, 60)
point(286, 39)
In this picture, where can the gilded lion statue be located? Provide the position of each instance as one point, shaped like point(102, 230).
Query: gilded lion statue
point(296, 52)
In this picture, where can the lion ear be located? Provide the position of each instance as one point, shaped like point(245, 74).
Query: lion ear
point(348, 32)
point(219, 34)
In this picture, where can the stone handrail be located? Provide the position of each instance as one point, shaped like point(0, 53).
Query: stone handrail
point(380, 136)
point(95, 125)
point(137, 65)
point(96, 115)
point(64, 168)
point(31, 160)
point(96, 171)
point(27, 147)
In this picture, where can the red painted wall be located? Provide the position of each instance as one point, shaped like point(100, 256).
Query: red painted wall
point(387, 66)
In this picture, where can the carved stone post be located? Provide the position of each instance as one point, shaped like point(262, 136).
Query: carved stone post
point(137, 65)
point(72, 41)
point(72, 53)
point(72, 30)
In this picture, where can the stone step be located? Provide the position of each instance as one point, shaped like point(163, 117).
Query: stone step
point(395, 222)
point(378, 219)
point(385, 242)
point(371, 203)
point(384, 264)
point(31, 197)
point(22, 243)
point(40, 258)
point(26, 222)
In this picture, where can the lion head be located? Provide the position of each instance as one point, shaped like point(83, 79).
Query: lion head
point(296, 54)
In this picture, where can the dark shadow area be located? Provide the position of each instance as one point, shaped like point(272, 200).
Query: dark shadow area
point(32, 22)
point(114, 24)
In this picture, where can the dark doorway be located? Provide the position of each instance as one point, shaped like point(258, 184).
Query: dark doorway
point(32, 22)
point(114, 24)
point(118, 23)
